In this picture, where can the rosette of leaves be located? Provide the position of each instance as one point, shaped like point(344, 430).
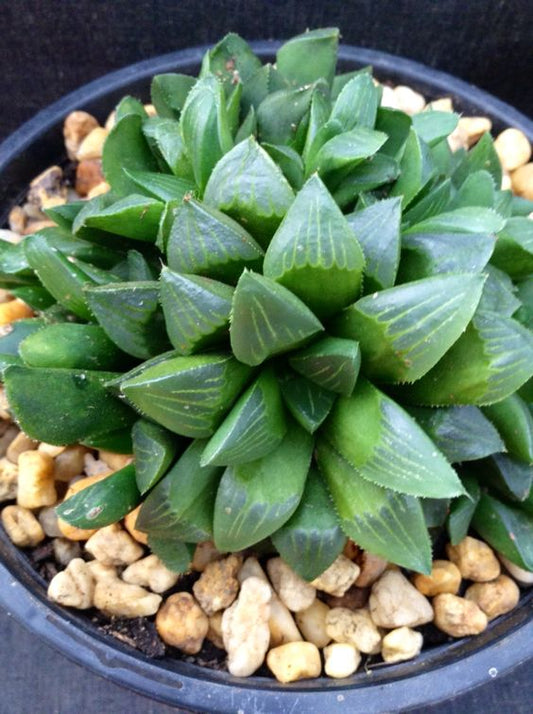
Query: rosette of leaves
point(306, 316)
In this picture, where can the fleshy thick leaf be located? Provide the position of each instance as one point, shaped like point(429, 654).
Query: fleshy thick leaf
point(130, 315)
point(315, 254)
point(64, 406)
point(312, 538)
point(507, 529)
point(173, 553)
point(500, 295)
point(510, 477)
point(230, 60)
point(71, 345)
point(514, 248)
point(482, 156)
point(514, 421)
point(377, 228)
point(163, 187)
point(196, 310)
point(188, 395)
point(154, 449)
point(181, 504)
point(63, 276)
point(255, 499)
point(370, 174)
point(472, 219)
point(283, 112)
point(345, 151)
point(489, 362)
point(427, 254)
point(134, 217)
point(310, 56)
point(104, 502)
point(248, 186)
point(417, 168)
point(384, 522)
point(333, 363)
point(386, 446)
point(267, 319)
point(126, 148)
point(166, 142)
point(433, 126)
point(205, 241)
point(308, 403)
point(405, 330)
point(462, 509)
point(168, 93)
point(461, 433)
point(205, 127)
point(253, 428)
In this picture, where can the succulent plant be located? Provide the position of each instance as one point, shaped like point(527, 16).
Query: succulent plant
point(306, 316)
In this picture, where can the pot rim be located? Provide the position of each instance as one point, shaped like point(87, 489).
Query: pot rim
point(438, 673)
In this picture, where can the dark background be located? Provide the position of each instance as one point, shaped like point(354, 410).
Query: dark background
point(50, 47)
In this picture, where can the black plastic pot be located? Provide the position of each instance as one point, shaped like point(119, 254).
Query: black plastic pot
point(439, 673)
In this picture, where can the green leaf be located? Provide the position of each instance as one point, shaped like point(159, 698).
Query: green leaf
point(248, 186)
point(64, 277)
point(188, 395)
point(233, 107)
point(461, 433)
point(342, 79)
point(102, 256)
point(435, 511)
point(417, 168)
point(312, 538)
point(477, 190)
point(280, 113)
point(310, 56)
point(117, 441)
point(317, 131)
point(397, 126)
point(345, 151)
point(332, 362)
point(174, 554)
point(389, 448)
point(357, 103)
point(164, 137)
point(462, 510)
point(513, 419)
point(384, 522)
point(264, 81)
point(181, 504)
point(168, 93)
point(196, 310)
point(267, 319)
point(506, 529)
point(377, 228)
point(231, 60)
point(129, 105)
point(370, 174)
point(427, 254)
point(289, 162)
point(205, 127)
point(315, 254)
point(18, 331)
point(126, 148)
point(204, 241)
point(64, 406)
point(482, 157)
point(130, 315)
point(253, 428)
point(154, 449)
point(71, 345)
point(404, 331)
point(247, 128)
point(507, 475)
point(255, 499)
point(308, 403)
point(163, 187)
point(429, 203)
point(104, 502)
point(134, 217)
point(472, 219)
point(514, 248)
point(64, 213)
point(433, 126)
point(499, 294)
point(490, 361)
point(37, 297)
point(139, 269)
